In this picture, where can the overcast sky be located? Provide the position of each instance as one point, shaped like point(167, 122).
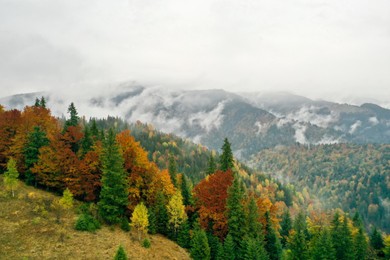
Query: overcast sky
point(309, 47)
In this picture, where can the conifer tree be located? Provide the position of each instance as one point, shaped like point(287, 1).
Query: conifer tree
point(272, 243)
point(254, 251)
point(341, 238)
point(86, 141)
point(360, 244)
point(74, 118)
point(114, 192)
point(255, 230)
point(220, 253)
point(229, 248)
point(11, 176)
point(37, 102)
point(120, 254)
point(285, 226)
point(376, 240)
point(172, 169)
point(212, 166)
point(35, 140)
point(94, 130)
point(185, 191)
point(139, 219)
point(386, 249)
point(298, 241)
point(200, 249)
point(226, 158)
point(161, 213)
point(183, 237)
point(236, 214)
point(321, 246)
point(152, 222)
point(43, 102)
point(213, 244)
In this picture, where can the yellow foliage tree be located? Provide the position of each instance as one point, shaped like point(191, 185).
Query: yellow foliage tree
point(176, 211)
point(139, 219)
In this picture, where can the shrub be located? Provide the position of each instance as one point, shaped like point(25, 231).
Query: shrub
point(120, 254)
point(125, 225)
point(86, 222)
point(146, 243)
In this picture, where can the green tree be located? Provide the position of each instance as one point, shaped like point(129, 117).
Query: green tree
point(360, 244)
point(298, 240)
point(120, 254)
point(376, 240)
point(114, 192)
point(226, 158)
point(183, 237)
point(185, 191)
point(236, 216)
point(255, 229)
point(139, 219)
point(272, 242)
point(11, 176)
point(285, 226)
point(86, 141)
point(161, 213)
point(43, 102)
point(254, 250)
point(172, 169)
point(35, 140)
point(321, 246)
point(212, 166)
point(229, 248)
point(74, 118)
point(341, 238)
point(200, 249)
point(152, 222)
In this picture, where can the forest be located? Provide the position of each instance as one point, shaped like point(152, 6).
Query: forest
point(135, 177)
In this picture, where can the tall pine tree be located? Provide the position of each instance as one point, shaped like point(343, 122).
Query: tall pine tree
point(272, 242)
point(298, 240)
point(236, 214)
point(226, 158)
point(212, 166)
point(114, 192)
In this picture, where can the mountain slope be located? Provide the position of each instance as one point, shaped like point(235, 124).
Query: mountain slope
point(29, 229)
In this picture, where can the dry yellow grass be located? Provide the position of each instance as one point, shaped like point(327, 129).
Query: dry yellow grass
point(29, 230)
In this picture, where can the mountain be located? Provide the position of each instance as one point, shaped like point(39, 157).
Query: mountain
point(252, 121)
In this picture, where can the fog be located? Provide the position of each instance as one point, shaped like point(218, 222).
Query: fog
point(331, 49)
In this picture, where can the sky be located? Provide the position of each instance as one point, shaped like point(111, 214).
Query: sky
point(335, 49)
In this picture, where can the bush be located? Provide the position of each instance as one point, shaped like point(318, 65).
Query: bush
point(125, 225)
point(86, 222)
point(146, 243)
point(120, 254)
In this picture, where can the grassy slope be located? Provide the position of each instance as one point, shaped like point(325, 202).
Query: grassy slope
point(27, 232)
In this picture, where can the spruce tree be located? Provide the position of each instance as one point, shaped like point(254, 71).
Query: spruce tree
point(213, 244)
point(185, 191)
point(74, 118)
point(229, 248)
point(35, 140)
point(226, 158)
point(298, 241)
point(43, 102)
point(220, 253)
point(86, 141)
point(272, 243)
point(161, 213)
point(236, 216)
point(114, 192)
point(11, 176)
point(120, 254)
point(212, 167)
point(341, 238)
point(200, 249)
point(253, 224)
point(254, 250)
point(360, 244)
point(152, 222)
point(321, 246)
point(183, 237)
point(285, 226)
point(376, 240)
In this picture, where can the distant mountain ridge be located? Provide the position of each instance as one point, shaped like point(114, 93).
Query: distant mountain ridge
point(252, 121)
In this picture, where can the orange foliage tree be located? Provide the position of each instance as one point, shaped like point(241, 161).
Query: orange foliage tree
point(210, 195)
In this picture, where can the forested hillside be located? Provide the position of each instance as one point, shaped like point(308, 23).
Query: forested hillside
point(355, 178)
point(231, 213)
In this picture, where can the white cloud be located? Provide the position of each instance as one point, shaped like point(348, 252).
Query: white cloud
point(373, 120)
point(300, 130)
point(355, 126)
